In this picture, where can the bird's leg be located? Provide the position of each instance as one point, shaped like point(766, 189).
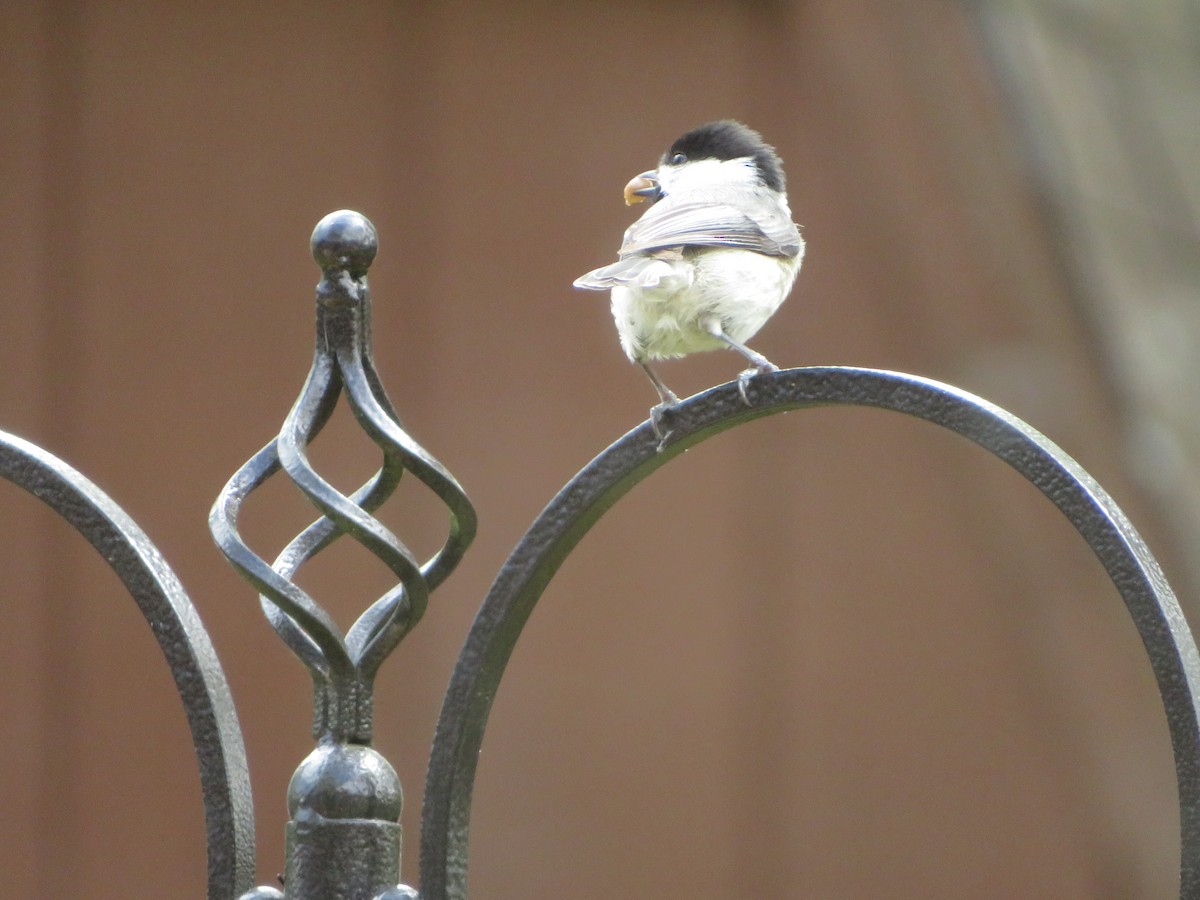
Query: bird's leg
point(758, 362)
point(665, 393)
point(667, 398)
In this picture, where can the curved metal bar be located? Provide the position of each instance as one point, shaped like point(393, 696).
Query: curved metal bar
point(224, 778)
point(320, 393)
point(313, 635)
point(385, 623)
point(340, 509)
point(371, 407)
point(315, 538)
point(554, 534)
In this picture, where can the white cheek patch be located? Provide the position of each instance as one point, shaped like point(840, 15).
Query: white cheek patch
point(708, 173)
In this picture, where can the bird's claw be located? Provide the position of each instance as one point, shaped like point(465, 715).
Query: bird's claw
point(658, 413)
point(745, 376)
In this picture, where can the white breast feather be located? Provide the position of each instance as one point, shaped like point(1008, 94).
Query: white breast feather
point(742, 289)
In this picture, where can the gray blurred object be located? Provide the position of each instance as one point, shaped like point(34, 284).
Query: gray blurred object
point(1106, 97)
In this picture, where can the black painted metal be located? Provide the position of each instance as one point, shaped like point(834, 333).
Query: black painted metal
point(345, 799)
point(561, 525)
point(344, 245)
point(224, 779)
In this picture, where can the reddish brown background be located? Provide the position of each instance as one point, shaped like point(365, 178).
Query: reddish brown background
point(837, 654)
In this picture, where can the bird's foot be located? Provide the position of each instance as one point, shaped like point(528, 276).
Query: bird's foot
point(658, 415)
point(761, 365)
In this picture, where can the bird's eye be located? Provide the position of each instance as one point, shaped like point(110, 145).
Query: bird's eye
point(678, 159)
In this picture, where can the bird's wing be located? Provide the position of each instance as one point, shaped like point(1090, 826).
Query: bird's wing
point(673, 223)
point(652, 271)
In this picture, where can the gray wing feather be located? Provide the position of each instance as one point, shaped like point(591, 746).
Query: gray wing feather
point(625, 271)
point(698, 223)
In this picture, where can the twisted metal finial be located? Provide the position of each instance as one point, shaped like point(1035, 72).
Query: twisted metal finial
point(343, 667)
point(343, 840)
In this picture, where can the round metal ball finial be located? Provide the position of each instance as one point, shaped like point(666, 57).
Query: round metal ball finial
point(345, 241)
point(345, 781)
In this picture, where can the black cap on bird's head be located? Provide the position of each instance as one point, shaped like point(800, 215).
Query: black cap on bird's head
point(722, 140)
point(727, 139)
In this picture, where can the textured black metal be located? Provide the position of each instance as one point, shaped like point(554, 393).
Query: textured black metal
point(344, 837)
point(224, 778)
point(524, 576)
point(343, 841)
point(343, 668)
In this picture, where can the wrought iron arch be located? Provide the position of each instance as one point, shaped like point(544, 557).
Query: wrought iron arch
point(568, 517)
point(203, 690)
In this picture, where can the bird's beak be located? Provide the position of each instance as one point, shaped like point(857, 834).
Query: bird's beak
point(641, 187)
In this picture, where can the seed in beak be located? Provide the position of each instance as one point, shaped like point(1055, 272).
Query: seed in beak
point(640, 188)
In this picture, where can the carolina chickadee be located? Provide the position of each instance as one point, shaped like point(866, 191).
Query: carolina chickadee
point(712, 258)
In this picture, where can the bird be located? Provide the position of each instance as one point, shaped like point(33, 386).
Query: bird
point(712, 258)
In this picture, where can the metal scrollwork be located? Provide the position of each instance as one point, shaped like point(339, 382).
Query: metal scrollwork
point(345, 798)
point(343, 667)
